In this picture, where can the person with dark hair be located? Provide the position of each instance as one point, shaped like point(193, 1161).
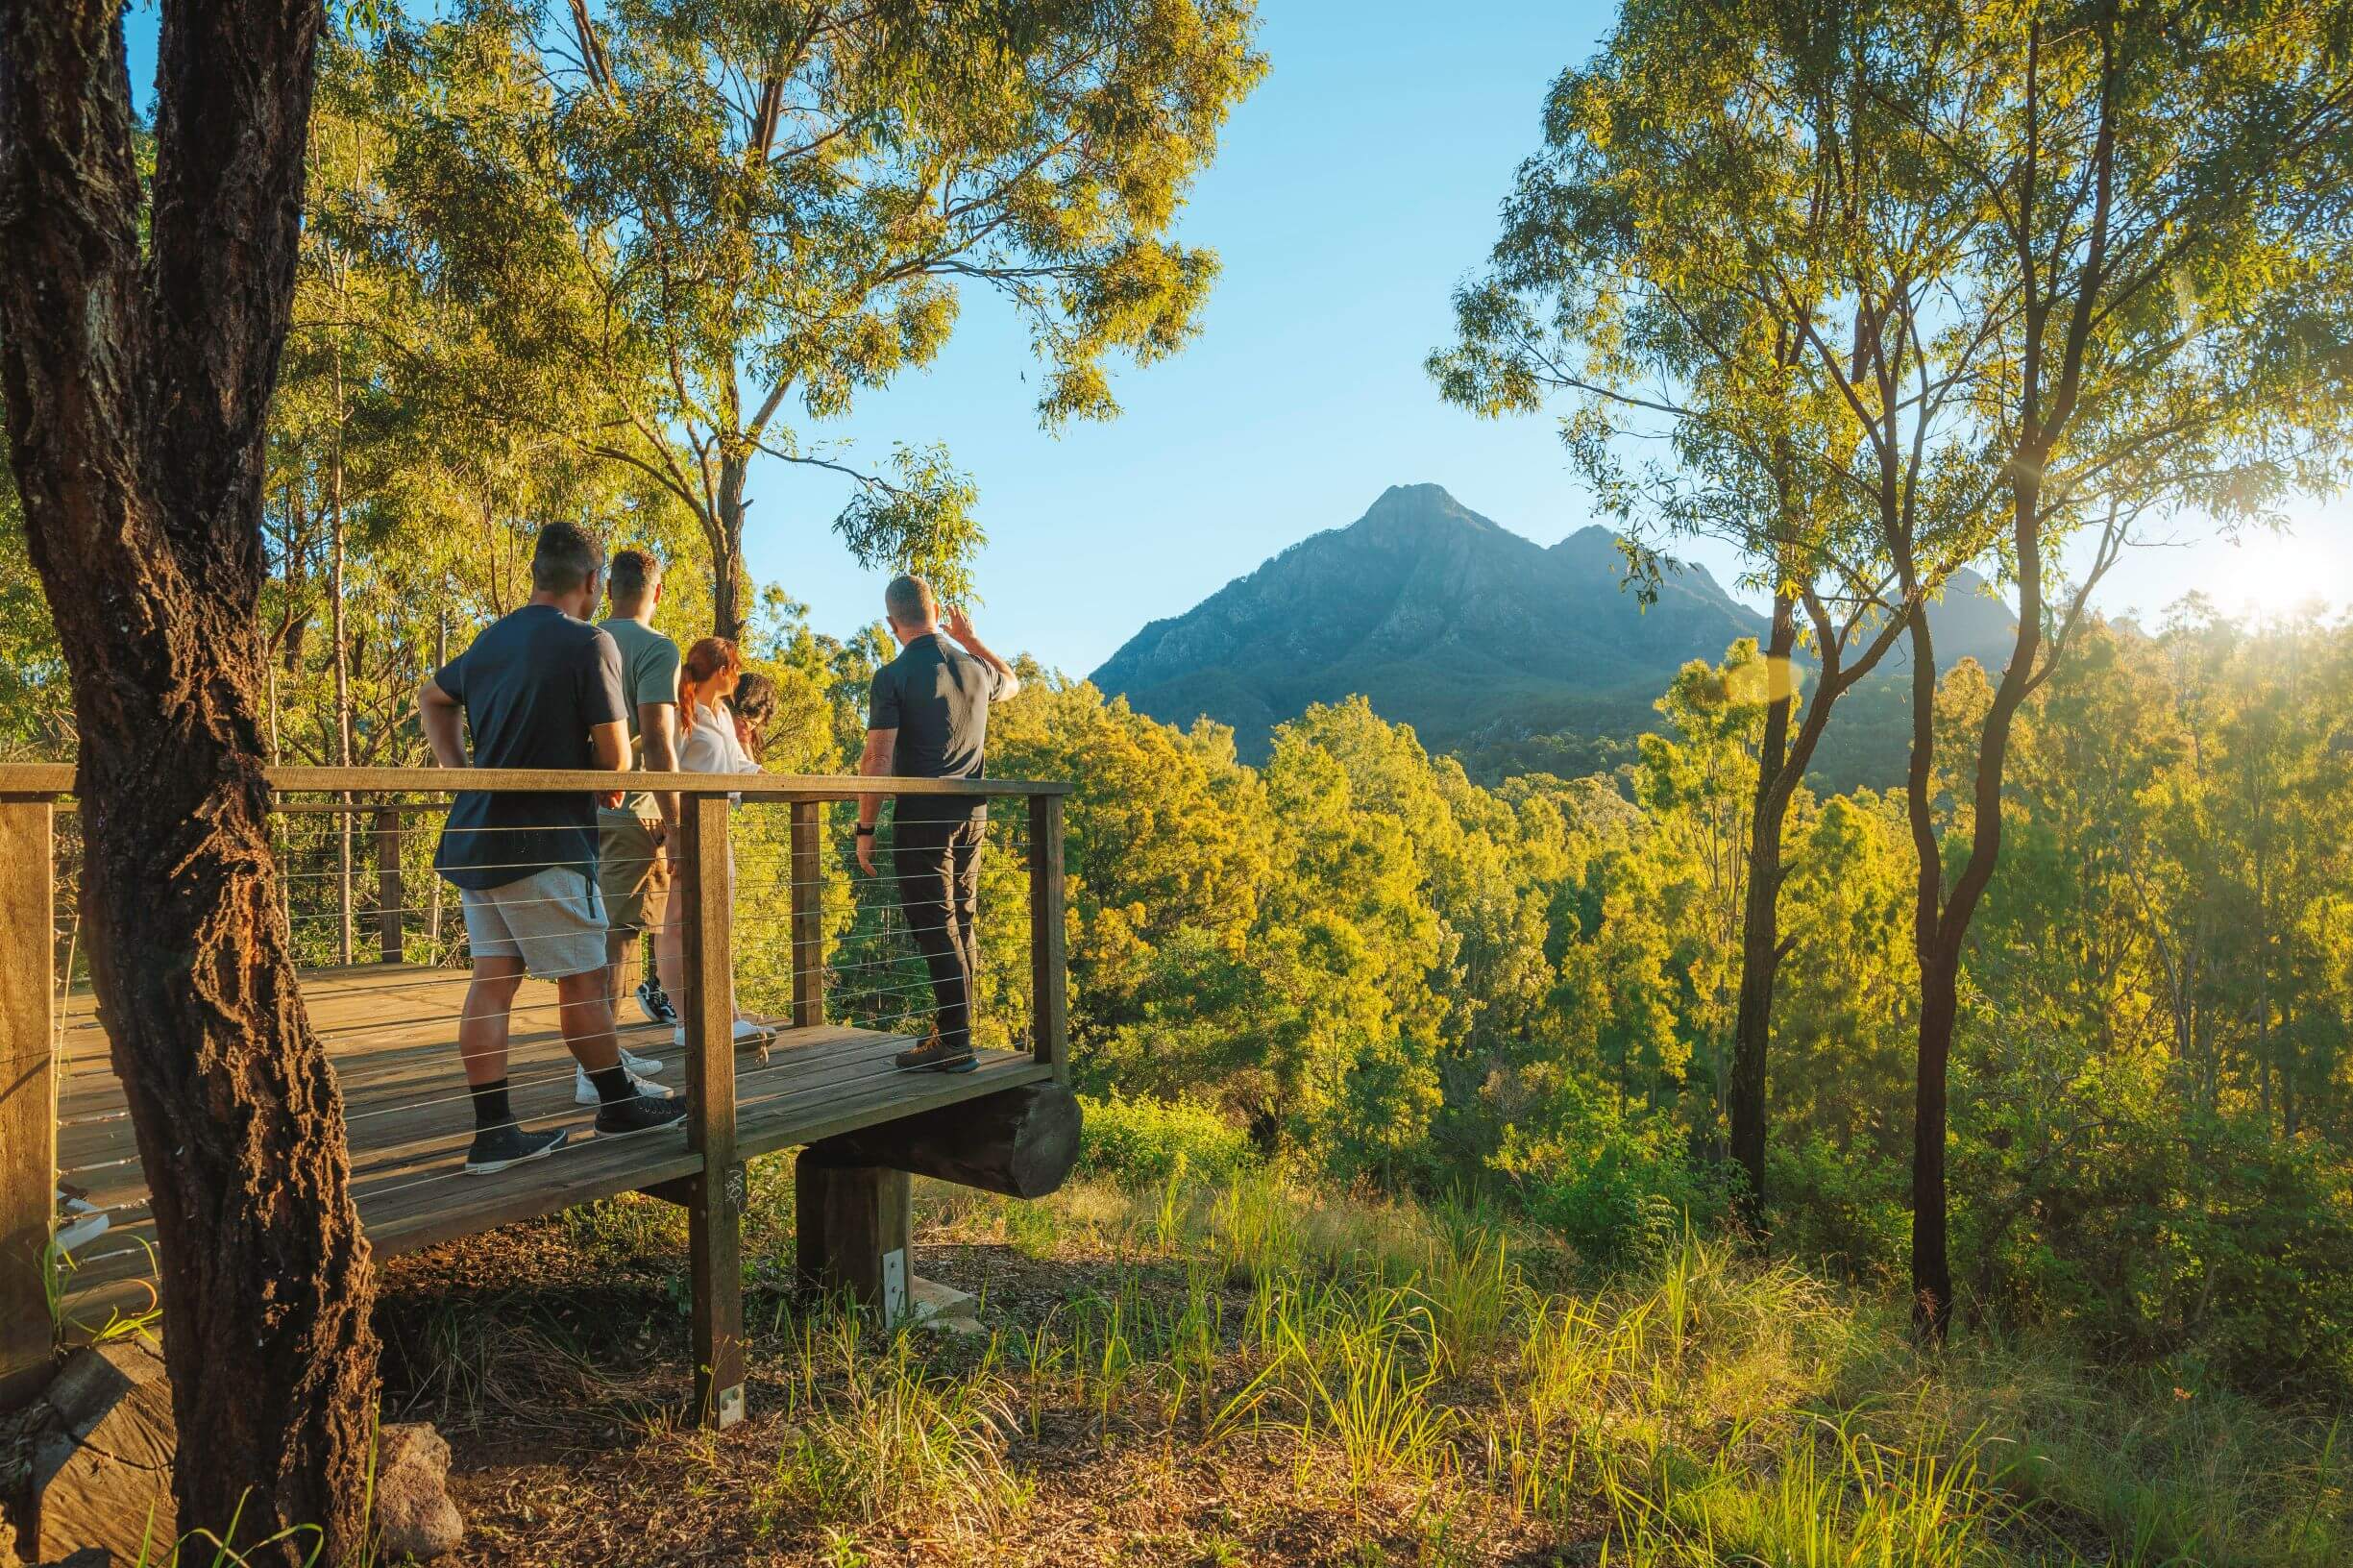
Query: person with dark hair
point(928, 717)
point(539, 688)
point(755, 709)
point(632, 841)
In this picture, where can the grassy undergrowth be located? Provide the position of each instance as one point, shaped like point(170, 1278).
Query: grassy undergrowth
point(1258, 1373)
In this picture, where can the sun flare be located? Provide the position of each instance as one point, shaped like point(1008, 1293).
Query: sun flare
point(2268, 573)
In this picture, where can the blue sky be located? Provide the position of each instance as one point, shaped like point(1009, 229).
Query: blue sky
point(1354, 189)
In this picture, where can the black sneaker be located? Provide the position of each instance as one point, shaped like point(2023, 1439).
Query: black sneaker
point(638, 1114)
point(654, 1002)
point(495, 1148)
point(936, 1055)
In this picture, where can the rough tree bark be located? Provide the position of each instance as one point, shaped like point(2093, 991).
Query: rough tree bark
point(137, 395)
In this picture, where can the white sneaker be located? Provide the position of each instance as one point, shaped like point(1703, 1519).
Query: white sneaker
point(747, 1032)
point(584, 1093)
point(645, 1066)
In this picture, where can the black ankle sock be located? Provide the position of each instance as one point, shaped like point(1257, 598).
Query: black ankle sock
point(612, 1082)
point(490, 1106)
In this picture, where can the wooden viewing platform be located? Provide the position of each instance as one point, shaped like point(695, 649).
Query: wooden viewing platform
point(390, 1032)
point(389, 1028)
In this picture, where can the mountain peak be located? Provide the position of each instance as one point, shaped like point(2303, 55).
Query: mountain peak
point(1422, 506)
point(1446, 618)
point(1424, 493)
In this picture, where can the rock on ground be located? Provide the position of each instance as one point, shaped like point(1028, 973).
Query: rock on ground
point(414, 1516)
point(943, 1308)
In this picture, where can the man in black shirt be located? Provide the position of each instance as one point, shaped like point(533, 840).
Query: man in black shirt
point(540, 688)
point(929, 718)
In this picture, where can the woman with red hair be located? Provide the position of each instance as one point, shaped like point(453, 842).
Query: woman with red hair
point(713, 743)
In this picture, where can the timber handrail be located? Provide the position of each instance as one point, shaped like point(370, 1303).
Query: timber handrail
point(1036, 1130)
point(57, 778)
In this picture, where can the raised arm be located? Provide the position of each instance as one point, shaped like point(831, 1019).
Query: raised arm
point(959, 625)
point(442, 720)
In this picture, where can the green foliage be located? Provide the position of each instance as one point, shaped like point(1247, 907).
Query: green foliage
point(1617, 1185)
point(1146, 1142)
point(710, 215)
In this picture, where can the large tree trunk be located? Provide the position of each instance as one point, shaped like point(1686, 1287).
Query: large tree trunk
point(137, 398)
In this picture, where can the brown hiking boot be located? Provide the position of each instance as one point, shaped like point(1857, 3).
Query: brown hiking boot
point(936, 1055)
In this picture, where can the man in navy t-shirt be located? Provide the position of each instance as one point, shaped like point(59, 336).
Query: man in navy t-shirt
point(540, 688)
point(928, 717)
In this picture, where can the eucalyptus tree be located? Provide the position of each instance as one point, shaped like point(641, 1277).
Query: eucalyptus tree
point(137, 356)
point(1703, 252)
point(2157, 262)
point(773, 207)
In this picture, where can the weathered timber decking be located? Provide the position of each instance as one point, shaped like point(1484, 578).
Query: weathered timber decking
point(391, 1032)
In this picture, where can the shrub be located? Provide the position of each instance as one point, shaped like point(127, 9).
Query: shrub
point(1615, 1185)
point(1149, 1142)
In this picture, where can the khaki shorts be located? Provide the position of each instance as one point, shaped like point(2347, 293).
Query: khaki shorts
point(630, 870)
point(551, 919)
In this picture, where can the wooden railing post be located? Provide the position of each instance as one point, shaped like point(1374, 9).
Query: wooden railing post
point(389, 884)
point(28, 1096)
point(808, 914)
point(1049, 983)
point(715, 1199)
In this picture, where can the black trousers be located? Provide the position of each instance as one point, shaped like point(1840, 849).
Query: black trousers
point(938, 866)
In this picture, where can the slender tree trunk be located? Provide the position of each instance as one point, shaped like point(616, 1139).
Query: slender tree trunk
point(1760, 926)
point(1931, 1263)
point(433, 917)
point(138, 393)
point(343, 697)
point(728, 611)
point(1940, 1009)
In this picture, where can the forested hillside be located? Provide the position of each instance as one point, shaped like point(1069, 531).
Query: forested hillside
point(1393, 975)
point(1387, 973)
point(1553, 1092)
point(1513, 656)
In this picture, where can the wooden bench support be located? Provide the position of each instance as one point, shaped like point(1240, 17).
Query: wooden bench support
point(28, 1100)
point(1021, 1143)
point(854, 1228)
point(714, 1194)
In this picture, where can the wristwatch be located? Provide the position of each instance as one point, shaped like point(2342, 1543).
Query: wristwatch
point(864, 831)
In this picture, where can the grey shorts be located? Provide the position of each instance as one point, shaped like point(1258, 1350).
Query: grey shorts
point(551, 919)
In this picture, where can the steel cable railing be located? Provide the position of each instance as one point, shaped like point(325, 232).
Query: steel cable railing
point(809, 936)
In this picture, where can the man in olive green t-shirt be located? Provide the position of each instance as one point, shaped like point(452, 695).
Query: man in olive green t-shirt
point(632, 841)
